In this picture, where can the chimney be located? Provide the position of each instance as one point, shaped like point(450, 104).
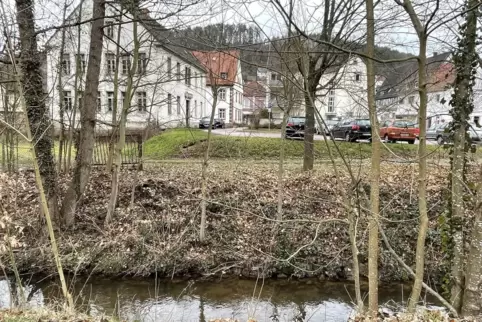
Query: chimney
point(435, 53)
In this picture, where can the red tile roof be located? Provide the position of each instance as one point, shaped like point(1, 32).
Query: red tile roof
point(218, 62)
point(254, 89)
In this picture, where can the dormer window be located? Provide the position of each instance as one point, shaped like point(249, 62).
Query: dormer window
point(224, 75)
point(357, 77)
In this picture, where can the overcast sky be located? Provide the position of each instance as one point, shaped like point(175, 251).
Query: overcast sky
point(394, 28)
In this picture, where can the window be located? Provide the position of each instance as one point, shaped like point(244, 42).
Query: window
point(66, 64)
point(331, 101)
point(80, 99)
point(411, 99)
point(126, 64)
point(178, 72)
point(401, 101)
point(169, 104)
point(222, 113)
point(201, 108)
point(195, 109)
point(110, 101)
point(224, 75)
point(169, 67)
point(110, 63)
point(109, 29)
point(142, 63)
point(67, 101)
point(123, 98)
point(99, 102)
point(357, 77)
point(178, 106)
point(195, 80)
point(222, 94)
point(187, 76)
point(437, 98)
point(80, 59)
point(142, 101)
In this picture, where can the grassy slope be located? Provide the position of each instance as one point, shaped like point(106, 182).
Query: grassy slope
point(191, 143)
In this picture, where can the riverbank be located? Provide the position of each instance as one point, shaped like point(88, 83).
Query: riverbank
point(159, 234)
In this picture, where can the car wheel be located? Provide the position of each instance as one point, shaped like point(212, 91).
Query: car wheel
point(440, 140)
point(411, 142)
point(347, 137)
point(385, 138)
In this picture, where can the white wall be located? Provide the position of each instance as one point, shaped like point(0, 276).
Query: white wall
point(154, 82)
point(349, 94)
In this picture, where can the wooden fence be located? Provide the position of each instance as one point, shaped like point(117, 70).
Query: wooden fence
point(131, 154)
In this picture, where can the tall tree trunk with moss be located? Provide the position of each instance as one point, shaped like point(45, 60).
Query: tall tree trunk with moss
point(87, 117)
point(375, 168)
point(465, 61)
point(123, 123)
point(37, 113)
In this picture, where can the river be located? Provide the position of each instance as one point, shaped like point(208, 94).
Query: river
point(192, 301)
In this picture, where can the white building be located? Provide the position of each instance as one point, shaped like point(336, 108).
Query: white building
point(398, 96)
point(169, 83)
point(224, 68)
point(343, 91)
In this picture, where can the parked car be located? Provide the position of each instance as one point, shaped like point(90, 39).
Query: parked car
point(329, 125)
point(438, 132)
point(217, 123)
point(352, 129)
point(398, 130)
point(295, 127)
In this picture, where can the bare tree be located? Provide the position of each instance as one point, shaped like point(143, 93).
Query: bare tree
point(129, 93)
point(375, 168)
point(32, 88)
point(87, 117)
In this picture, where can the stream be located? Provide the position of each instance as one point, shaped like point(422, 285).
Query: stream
point(186, 301)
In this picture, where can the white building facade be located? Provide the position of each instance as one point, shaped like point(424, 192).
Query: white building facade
point(343, 92)
point(169, 84)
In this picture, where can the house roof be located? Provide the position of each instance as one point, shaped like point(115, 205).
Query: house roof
point(254, 89)
point(439, 70)
point(219, 62)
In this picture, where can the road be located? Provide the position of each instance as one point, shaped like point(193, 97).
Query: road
point(244, 132)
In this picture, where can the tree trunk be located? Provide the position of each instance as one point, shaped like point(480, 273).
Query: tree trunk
point(375, 169)
point(204, 175)
point(308, 156)
point(37, 112)
point(87, 117)
point(281, 167)
point(472, 301)
point(78, 78)
point(60, 89)
point(422, 175)
point(110, 158)
point(465, 60)
point(122, 125)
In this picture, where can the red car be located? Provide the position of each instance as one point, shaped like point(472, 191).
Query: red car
point(399, 130)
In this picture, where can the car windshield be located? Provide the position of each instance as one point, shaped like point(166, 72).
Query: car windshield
point(363, 122)
point(404, 124)
point(296, 119)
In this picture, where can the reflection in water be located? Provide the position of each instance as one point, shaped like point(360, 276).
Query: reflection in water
point(150, 300)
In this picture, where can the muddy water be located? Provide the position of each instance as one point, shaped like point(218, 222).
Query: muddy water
point(151, 300)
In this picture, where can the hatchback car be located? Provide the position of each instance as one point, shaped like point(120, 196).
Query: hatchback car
point(352, 129)
point(295, 127)
point(217, 123)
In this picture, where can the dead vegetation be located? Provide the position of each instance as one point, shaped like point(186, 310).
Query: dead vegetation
point(161, 233)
